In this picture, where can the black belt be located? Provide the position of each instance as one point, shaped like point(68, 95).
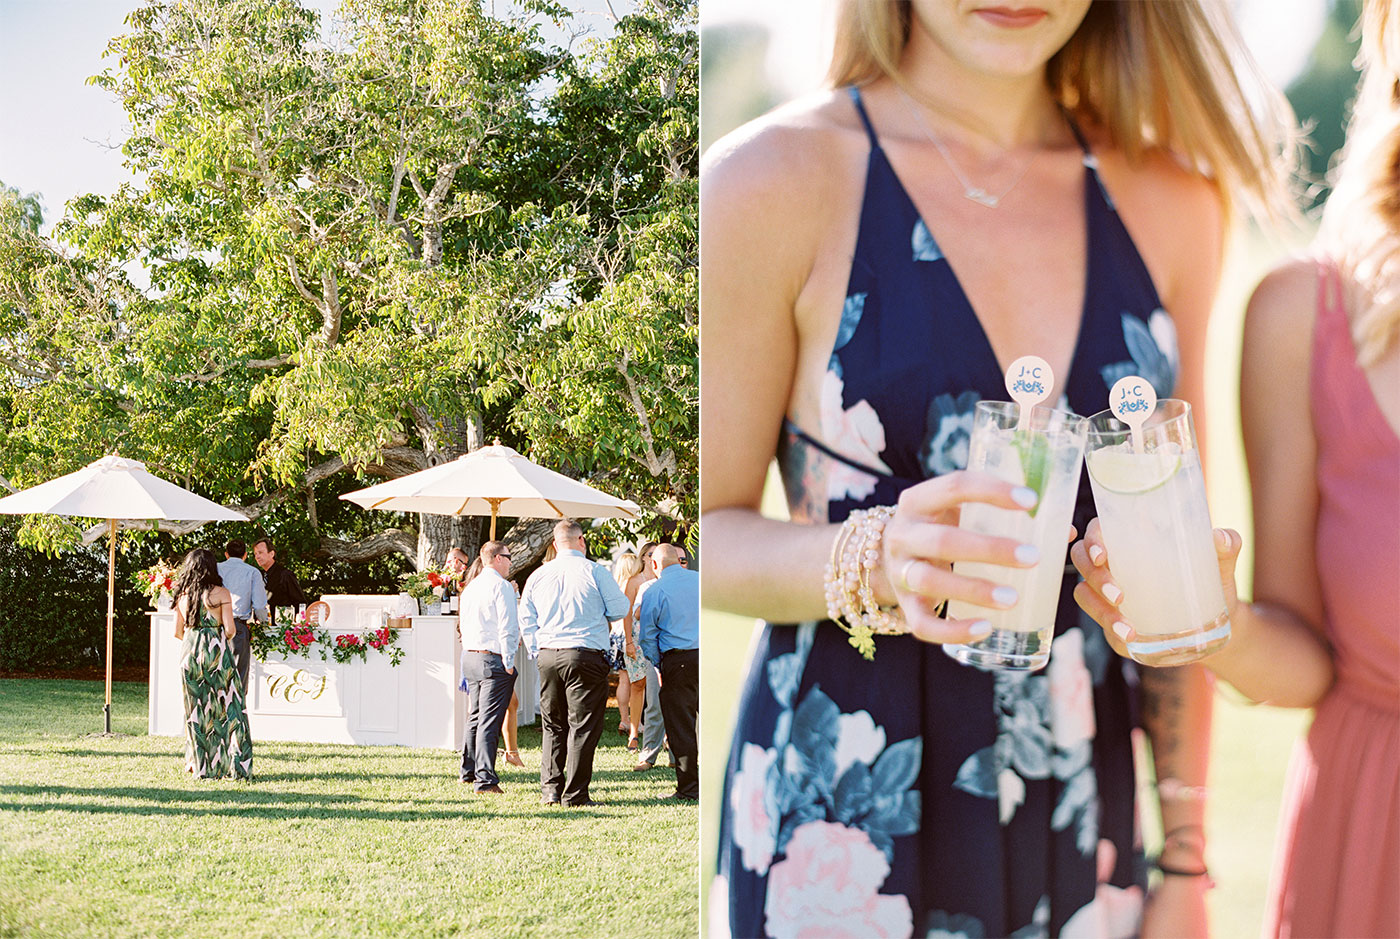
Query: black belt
point(481, 651)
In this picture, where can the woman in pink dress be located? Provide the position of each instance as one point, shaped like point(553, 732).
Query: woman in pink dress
point(1320, 409)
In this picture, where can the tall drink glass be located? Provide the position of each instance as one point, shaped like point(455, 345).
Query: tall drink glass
point(1156, 528)
point(1046, 456)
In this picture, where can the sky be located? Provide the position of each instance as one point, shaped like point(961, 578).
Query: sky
point(57, 133)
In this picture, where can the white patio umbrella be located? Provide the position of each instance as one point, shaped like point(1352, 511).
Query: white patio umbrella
point(493, 481)
point(115, 488)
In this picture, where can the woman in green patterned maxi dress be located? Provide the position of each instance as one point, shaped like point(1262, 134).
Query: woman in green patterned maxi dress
point(216, 724)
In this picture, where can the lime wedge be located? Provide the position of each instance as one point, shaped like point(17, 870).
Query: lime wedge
point(1127, 472)
point(1034, 452)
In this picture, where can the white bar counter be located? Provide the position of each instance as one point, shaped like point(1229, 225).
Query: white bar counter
point(302, 698)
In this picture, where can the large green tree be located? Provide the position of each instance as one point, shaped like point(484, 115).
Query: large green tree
point(356, 258)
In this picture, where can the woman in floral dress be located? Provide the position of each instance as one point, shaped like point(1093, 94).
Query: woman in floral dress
point(980, 183)
point(217, 742)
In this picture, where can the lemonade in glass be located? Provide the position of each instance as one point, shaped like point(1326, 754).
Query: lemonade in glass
point(1046, 456)
point(1151, 501)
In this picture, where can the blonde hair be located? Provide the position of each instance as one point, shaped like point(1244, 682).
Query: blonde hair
point(627, 566)
point(1361, 220)
point(1170, 75)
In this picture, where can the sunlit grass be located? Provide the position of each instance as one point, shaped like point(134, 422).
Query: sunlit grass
point(107, 836)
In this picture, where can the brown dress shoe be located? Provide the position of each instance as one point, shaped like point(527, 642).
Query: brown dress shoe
point(642, 767)
point(496, 789)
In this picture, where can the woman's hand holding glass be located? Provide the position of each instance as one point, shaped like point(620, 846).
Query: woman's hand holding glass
point(922, 541)
point(1100, 597)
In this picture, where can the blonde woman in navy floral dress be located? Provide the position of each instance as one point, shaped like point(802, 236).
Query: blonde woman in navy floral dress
point(966, 193)
point(217, 742)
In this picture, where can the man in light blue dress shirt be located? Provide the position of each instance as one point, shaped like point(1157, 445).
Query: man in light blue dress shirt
point(668, 630)
point(245, 582)
point(489, 637)
point(564, 615)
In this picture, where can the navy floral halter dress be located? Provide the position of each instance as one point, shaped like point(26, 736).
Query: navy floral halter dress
point(913, 795)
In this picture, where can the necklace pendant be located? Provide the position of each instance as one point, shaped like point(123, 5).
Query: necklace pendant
point(982, 197)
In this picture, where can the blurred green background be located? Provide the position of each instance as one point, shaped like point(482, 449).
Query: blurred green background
point(1250, 744)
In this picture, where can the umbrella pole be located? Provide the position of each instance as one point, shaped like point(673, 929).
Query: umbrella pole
point(495, 504)
point(111, 610)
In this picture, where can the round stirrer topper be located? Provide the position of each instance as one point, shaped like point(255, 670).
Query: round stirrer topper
point(1029, 381)
point(1132, 399)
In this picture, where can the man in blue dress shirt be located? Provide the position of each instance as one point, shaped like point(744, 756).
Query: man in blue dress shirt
point(668, 627)
point(245, 582)
point(564, 615)
point(489, 638)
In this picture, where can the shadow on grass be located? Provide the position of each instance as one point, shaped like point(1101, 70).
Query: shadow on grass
point(175, 757)
point(241, 803)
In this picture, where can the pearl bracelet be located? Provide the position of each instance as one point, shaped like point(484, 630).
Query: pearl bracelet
point(855, 552)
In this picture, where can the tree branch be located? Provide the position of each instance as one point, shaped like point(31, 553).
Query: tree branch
point(368, 548)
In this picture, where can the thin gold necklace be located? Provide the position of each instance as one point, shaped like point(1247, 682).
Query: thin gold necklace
point(975, 193)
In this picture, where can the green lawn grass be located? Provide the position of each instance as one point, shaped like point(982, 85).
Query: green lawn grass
point(107, 836)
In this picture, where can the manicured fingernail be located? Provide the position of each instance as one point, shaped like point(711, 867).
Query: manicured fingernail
point(980, 628)
point(1120, 629)
point(1027, 554)
point(1005, 596)
point(1112, 594)
point(1024, 497)
point(1096, 554)
point(1222, 540)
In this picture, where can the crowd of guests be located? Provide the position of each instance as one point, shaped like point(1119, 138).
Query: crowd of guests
point(576, 618)
point(580, 622)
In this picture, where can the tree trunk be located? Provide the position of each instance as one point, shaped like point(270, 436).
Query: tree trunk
point(445, 439)
point(527, 540)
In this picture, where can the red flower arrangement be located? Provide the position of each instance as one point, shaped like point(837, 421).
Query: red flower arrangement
point(303, 633)
point(298, 637)
point(155, 580)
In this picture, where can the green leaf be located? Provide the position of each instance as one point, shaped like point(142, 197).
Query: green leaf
point(1034, 452)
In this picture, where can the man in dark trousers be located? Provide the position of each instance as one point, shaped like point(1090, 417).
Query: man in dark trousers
point(282, 586)
point(564, 615)
point(668, 627)
point(489, 637)
point(245, 583)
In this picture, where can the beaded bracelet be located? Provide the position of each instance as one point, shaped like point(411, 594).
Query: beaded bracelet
point(855, 552)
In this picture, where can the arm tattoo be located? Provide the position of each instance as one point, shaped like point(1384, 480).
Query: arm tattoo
point(1162, 709)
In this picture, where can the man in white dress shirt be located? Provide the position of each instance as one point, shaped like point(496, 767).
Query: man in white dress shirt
point(490, 634)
